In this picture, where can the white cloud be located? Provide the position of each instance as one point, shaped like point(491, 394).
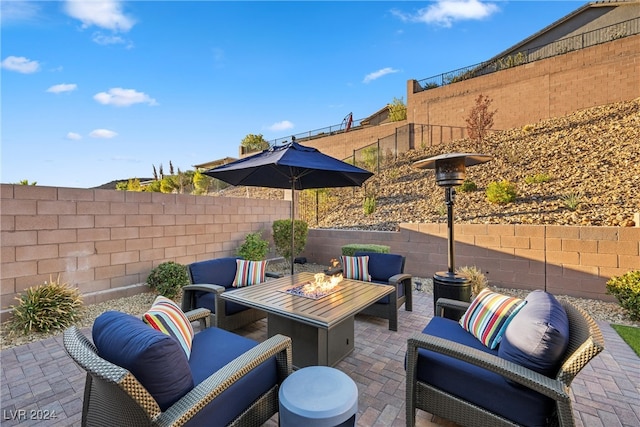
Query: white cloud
point(63, 87)
point(103, 134)
point(120, 97)
point(445, 12)
point(106, 14)
point(74, 136)
point(105, 40)
point(20, 64)
point(377, 74)
point(283, 125)
point(18, 11)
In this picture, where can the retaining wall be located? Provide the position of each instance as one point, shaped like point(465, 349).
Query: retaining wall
point(575, 261)
point(106, 242)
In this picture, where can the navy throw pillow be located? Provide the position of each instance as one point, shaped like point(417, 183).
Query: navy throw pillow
point(154, 358)
point(538, 335)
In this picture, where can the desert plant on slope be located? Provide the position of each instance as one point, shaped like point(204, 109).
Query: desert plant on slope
point(369, 205)
point(537, 178)
point(468, 186)
point(480, 119)
point(626, 289)
point(47, 307)
point(254, 247)
point(168, 278)
point(502, 192)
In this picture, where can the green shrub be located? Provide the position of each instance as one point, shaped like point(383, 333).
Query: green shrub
point(47, 307)
point(369, 205)
point(476, 278)
point(254, 248)
point(168, 278)
point(502, 192)
point(626, 289)
point(468, 186)
point(352, 248)
point(537, 178)
point(282, 237)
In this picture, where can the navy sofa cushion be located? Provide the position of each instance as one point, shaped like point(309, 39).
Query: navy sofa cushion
point(382, 267)
point(217, 271)
point(154, 358)
point(212, 349)
point(538, 335)
point(476, 384)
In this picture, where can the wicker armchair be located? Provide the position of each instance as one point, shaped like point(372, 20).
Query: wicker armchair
point(388, 269)
point(209, 279)
point(585, 342)
point(114, 397)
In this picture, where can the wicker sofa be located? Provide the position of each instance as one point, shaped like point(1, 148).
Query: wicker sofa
point(226, 380)
point(525, 381)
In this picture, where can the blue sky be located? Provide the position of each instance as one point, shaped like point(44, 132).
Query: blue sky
point(93, 91)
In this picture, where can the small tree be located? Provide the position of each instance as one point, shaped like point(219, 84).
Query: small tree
point(201, 183)
point(480, 119)
point(397, 110)
point(253, 142)
point(254, 248)
point(282, 237)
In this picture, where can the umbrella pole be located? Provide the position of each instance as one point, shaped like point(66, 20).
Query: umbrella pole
point(293, 219)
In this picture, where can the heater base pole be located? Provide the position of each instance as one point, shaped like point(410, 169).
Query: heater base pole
point(452, 286)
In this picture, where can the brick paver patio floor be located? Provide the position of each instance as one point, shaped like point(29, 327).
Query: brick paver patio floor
point(40, 381)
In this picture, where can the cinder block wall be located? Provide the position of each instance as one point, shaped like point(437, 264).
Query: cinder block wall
point(575, 261)
point(526, 94)
point(106, 242)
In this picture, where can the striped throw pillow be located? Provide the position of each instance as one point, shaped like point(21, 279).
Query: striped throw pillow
point(167, 317)
point(356, 267)
point(488, 316)
point(249, 273)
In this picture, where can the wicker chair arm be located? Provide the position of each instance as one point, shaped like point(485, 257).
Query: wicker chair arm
point(205, 287)
point(550, 387)
point(446, 303)
point(203, 315)
point(395, 279)
point(189, 405)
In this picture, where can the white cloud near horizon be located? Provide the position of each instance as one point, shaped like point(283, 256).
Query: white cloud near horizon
point(20, 64)
point(280, 126)
point(74, 136)
point(120, 97)
point(63, 87)
point(445, 12)
point(377, 74)
point(103, 134)
point(105, 14)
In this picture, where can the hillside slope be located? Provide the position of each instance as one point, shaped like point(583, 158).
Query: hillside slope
point(592, 155)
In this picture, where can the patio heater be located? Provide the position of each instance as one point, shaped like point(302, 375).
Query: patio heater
point(450, 172)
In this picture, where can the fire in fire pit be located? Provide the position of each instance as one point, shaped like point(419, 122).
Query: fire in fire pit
point(319, 288)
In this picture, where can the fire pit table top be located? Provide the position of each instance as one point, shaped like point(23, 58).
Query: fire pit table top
point(349, 298)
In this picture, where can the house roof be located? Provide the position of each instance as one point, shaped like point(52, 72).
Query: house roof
point(214, 163)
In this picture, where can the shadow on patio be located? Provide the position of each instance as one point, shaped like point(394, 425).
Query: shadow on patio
point(41, 377)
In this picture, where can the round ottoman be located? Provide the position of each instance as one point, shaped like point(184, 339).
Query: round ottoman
point(318, 396)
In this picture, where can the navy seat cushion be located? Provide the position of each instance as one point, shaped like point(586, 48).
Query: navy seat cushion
point(207, 300)
point(476, 384)
point(538, 335)
point(217, 271)
point(382, 267)
point(154, 358)
point(212, 349)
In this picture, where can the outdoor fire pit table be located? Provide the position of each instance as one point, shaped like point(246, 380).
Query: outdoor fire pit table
point(321, 328)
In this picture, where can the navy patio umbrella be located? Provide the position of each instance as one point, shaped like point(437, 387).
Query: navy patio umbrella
point(291, 166)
